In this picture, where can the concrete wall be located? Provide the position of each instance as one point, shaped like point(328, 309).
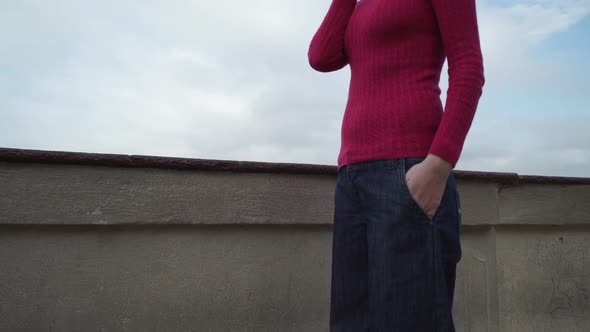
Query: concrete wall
point(111, 248)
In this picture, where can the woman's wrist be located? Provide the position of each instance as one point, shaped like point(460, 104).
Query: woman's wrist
point(438, 165)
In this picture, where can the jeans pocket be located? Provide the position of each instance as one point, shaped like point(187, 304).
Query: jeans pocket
point(410, 198)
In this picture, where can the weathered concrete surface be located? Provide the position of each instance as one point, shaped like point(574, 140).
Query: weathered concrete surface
point(71, 194)
point(476, 302)
point(545, 204)
point(544, 278)
point(164, 278)
point(479, 202)
point(112, 248)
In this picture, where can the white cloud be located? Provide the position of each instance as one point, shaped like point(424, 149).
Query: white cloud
point(509, 138)
point(532, 144)
point(509, 31)
point(542, 18)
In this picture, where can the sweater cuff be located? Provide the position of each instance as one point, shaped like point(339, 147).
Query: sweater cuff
point(448, 152)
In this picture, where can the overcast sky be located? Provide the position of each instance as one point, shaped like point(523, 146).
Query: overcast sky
point(229, 79)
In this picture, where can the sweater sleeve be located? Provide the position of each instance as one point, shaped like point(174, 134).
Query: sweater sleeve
point(326, 51)
point(458, 26)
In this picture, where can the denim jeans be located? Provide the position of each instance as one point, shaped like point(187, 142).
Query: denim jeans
point(393, 268)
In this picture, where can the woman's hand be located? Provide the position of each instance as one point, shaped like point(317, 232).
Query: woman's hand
point(427, 181)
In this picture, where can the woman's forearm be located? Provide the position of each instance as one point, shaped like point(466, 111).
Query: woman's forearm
point(326, 51)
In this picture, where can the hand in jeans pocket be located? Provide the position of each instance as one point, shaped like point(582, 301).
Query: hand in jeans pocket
point(426, 185)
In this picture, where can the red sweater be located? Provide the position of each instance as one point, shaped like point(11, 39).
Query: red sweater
point(396, 50)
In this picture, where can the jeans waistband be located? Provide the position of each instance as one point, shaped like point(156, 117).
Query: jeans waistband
point(398, 163)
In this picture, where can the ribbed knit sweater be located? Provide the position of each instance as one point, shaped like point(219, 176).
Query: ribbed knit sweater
point(396, 50)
